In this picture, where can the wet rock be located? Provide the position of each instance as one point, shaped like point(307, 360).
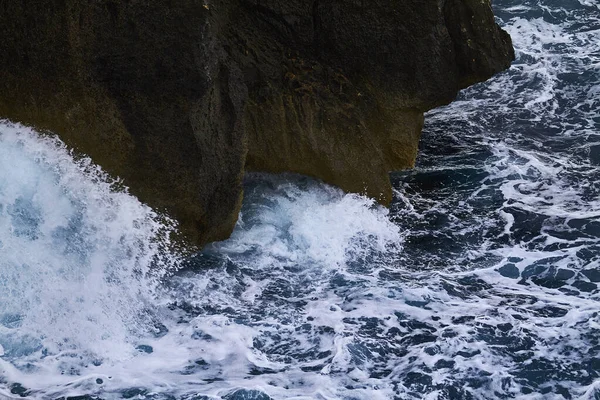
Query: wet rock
point(179, 99)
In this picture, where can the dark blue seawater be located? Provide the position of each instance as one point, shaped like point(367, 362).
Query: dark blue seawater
point(480, 282)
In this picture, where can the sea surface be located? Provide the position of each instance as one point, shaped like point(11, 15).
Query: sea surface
point(480, 282)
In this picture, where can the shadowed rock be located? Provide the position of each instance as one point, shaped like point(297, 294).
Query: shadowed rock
point(180, 98)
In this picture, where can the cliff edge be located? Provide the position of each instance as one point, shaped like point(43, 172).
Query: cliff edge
point(180, 98)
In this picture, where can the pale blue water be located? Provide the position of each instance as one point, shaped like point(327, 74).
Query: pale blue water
point(480, 282)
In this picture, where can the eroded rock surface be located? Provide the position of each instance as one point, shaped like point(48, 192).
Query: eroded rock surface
point(180, 98)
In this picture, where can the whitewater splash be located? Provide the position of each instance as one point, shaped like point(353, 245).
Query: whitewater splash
point(79, 261)
point(481, 282)
point(84, 306)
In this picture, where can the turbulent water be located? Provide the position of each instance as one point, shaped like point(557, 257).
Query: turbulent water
point(481, 282)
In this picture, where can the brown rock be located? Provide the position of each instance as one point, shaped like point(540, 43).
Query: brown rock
point(178, 98)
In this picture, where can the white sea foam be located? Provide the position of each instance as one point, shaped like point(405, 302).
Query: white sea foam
point(79, 260)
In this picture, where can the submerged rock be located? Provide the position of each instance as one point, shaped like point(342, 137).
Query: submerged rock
point(179, 99)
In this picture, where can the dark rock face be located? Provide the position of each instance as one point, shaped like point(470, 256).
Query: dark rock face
point(179, 98)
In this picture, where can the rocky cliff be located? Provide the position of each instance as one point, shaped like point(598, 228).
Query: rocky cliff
point(180, 97)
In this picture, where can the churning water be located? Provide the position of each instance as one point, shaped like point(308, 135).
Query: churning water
point(481, 282)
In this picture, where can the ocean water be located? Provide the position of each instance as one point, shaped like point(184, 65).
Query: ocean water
point(480, 282)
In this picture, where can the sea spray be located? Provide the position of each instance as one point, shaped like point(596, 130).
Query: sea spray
point(80, 261)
